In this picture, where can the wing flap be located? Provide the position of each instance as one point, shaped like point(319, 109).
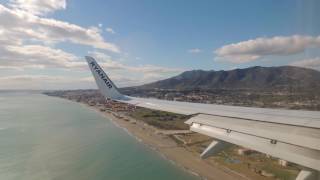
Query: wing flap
point(294, 153)
point(296, 135)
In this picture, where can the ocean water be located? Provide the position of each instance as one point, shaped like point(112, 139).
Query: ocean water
point(47, 138)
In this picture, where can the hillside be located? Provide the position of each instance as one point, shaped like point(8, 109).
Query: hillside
point(266, 78)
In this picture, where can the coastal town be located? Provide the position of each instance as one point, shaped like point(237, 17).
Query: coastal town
point(169, 135)
point(285, 99)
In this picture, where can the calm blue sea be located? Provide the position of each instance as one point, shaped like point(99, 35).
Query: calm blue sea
point(47, 138)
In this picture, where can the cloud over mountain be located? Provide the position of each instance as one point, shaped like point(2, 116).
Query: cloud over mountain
point(313, 63)
point(254, 49)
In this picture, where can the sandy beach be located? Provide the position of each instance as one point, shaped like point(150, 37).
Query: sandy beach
point(159, 141)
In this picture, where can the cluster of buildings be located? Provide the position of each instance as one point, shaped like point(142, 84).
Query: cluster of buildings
point(94, 98)
point(114, 106)
point(237, 97)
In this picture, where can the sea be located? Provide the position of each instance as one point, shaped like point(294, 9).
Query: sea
point(49, 138)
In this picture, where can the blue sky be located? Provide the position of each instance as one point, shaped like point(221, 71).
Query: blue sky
point(161, 32)
point(142, 41)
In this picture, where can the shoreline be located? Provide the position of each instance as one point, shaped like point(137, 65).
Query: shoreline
point(181, 157)
point(113, 119)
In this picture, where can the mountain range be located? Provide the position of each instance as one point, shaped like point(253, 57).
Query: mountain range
point(256, 78)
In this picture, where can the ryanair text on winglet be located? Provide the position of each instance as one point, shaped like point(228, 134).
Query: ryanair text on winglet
point(101, 74)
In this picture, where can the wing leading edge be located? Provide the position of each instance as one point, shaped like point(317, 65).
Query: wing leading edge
point(291, 135)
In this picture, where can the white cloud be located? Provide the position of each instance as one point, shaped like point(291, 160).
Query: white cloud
point(100, 55)
point(40, 57)
point(126, 75)
point(110, 30)
point(28, 42)
point(195, 50)
point(251, 50)
point(39, 7)
point(121, 74)
point(106, 62)
point(123, 81)
point(20, 25)
point(43, 82)
point(313, 63)
point(35, 56)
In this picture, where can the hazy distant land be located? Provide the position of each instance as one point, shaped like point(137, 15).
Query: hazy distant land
point(274, 87)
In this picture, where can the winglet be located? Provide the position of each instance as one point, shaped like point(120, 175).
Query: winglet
point(106, 86)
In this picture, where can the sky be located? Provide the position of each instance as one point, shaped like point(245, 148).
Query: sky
point(43, 43)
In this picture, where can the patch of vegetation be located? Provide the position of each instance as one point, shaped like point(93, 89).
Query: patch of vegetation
point(252, 165)
point(280, 173)
point(161, 119)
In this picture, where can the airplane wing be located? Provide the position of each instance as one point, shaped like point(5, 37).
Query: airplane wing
point(292, 135)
